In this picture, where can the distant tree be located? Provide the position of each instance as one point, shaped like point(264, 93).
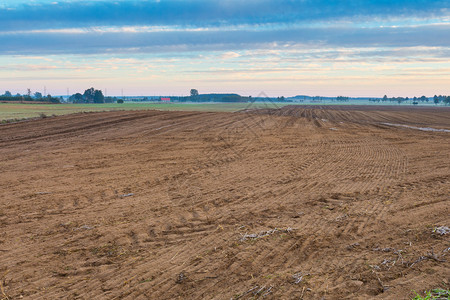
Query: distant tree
point(120, 101)
point(98, 97)
point(342, 98)
point(8, 94)
point(51, 99)
point(447, 100)
point(194, 93)
point(38, 95)
point(88, 95)
point(76, 98)
point(436, 99)
point(385, 98)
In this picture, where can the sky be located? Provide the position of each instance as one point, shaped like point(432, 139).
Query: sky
point(280, 47)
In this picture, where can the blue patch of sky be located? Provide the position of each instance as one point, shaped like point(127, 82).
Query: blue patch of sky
point(206, 13)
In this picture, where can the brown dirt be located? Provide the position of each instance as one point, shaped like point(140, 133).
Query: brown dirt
point(157, 205)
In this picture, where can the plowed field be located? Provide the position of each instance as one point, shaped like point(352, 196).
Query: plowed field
point(294, 203)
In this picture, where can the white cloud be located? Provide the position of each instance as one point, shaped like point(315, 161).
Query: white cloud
point(230, 54)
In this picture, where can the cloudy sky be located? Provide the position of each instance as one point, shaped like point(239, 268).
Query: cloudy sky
point(280, 47)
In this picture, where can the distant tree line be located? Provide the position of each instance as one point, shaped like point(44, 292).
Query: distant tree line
point(92, 95)
point(415, 100)
point(196, 97)
point(440, 98)
point(342, 98)
point(211, 98)
point(29, 97)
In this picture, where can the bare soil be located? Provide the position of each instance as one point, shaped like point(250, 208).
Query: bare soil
point(295, 203)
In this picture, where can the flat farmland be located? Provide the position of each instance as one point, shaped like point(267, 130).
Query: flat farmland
point(18, 111)
point(300, 202)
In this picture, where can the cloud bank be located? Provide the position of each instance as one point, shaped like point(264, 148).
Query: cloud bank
point(201, 13)
point(148, 26)
point(220, 40)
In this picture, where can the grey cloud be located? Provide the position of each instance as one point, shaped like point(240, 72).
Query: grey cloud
point(219, 40)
